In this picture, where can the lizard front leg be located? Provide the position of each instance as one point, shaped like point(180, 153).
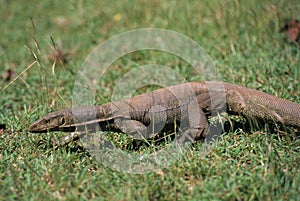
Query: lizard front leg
point(199, 128)
point(133, 128)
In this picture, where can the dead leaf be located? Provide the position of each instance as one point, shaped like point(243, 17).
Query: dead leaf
point(292, 30)
point(58, 55)
point(259, 80)
point(9, 74)
point(2, 128)
point(62, 21)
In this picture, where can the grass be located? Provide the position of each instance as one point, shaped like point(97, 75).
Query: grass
point(246, 46)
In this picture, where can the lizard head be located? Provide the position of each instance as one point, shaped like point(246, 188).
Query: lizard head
point(51, 122)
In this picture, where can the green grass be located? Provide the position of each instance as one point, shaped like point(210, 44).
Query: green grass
point(247, 48)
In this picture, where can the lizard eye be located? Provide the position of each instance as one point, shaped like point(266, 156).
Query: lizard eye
point(62, 120)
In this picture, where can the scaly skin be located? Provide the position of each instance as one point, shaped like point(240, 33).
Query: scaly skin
point(189, 103)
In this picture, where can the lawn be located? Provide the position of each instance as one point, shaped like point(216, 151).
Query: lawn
point(43, 45)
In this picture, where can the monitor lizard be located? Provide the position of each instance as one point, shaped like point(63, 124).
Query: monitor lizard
point(191, 103)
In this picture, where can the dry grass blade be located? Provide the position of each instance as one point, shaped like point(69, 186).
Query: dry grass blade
point(11, 82)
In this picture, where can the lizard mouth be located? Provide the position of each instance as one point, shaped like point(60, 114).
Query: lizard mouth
point(34, 128)
point(50, 122)
point(39, 127)
point(43, 126)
